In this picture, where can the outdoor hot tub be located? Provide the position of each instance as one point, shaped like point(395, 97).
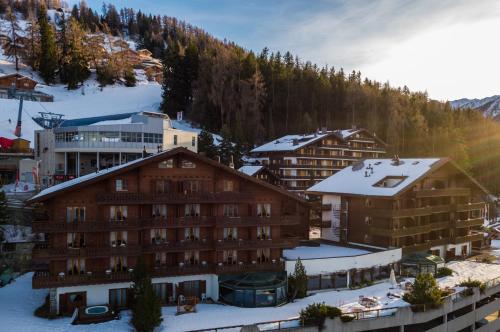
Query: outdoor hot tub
point(96, 310)
point(95, 314)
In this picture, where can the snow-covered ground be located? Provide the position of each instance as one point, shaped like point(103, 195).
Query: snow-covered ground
point(22, 301)
point(17, 233)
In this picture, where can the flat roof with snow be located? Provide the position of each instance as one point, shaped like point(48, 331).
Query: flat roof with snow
point(250, 169)
point(323, 251)
point(376, 177)
point(290, 142)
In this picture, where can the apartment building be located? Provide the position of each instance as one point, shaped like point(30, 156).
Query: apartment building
point(81, 146)
point(204, 229)
point(300, 161)
point(418, 205)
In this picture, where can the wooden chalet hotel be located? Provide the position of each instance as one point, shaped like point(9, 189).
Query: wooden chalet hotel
point(300, 161)
point(204, 229)
point(419, 205)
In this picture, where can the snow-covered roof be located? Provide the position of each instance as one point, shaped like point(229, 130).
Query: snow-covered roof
point(363, 178)
point(286, 143)
point(250, 169)
point(323, 251)
point(98, 120)
point(84, 178)
point(345, 133)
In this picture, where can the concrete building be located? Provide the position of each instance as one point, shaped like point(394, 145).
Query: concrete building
point(82, 146)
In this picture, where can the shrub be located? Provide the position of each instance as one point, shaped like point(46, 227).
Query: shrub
point(473, 283)
point(444, 272)
point(316, 313)
point(346, 318)
point(129, 77)
point(425, 292)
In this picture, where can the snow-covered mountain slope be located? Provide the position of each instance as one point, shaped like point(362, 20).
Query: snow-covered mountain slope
point(490, 106)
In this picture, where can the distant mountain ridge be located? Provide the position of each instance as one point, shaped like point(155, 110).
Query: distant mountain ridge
point(490, 106)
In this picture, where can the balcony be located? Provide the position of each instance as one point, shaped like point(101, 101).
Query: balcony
point(42, 251)
point(43, 279)
point(284, 243)
point(440, 242)
point(400, 232)
point(416, 247)
point(257, 221)
point(242, 267)
point(439, 225)
point(467, 238)
point(443, 192)
point(47, 226)
point(470, 206)
point(173, 198)
point(178, 222)
point(469, 223)
point(179, 246)
point(400, 213)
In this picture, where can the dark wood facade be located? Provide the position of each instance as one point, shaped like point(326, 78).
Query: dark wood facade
point(444, 207)
point(300, 168)
point(18, 81)
point(185, 214)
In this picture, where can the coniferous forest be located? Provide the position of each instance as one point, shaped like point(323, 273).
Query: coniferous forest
point(250, 98)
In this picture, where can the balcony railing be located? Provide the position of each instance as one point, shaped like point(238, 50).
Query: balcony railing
point(469, 222)
point(254, 244)
point(443, 192)
point(242, 267)
point(440, 225)
point(256, 221)
point(470, 206)
point(400, 232)
point(47, 226)
point(400, 213)
point(172, 198)
point(179, 246)
point(44, 252)
point(416, 247)
point(467, 238)
point(178, 222)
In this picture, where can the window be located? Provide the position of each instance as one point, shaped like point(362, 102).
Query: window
point(193, 141)
point(187, 164)
point(118, 264)
point(264, 210)
point(131, 137)
point(162, 291)
point(76, 240)
point(192, 233)
point(190, 186)
point(230, 256)
point(192, 210)
point(368, 220)
point(263, 232)
point(166, 164)
point(160, 259)
point(368, 202)
point(175, 139)
point(118, 213)
point(263, 255)
point(191, 257)
point(230, 233)
point(75, 214)
point(118, 297)
point(120, 185)
point(162, 186)
point(227, 185)
point(230, 210)
point(153, 138)
point(75, 266)
point(118, 239)
point(158, 236)
point(159, 211)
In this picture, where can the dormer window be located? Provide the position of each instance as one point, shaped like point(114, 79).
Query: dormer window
point(390, 181)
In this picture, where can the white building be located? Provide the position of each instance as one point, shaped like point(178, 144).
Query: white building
point(82, 146)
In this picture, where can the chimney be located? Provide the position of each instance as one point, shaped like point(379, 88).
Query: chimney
point(295, 141)
point(231, 164)
point(218, 159)
point(144, 152)
point(324, 130)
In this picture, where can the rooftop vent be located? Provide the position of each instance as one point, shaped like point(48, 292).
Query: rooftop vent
point(295, 141)
point(415, 162)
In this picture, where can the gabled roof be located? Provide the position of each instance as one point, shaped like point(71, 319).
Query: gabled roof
point(295, 142)
point(114, 171)
point(363, 178)
point(19, 76)
point(250, 170)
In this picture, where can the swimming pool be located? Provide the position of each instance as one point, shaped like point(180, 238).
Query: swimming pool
point(96, 310)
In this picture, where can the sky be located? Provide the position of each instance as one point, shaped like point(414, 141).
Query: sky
point(448, 48)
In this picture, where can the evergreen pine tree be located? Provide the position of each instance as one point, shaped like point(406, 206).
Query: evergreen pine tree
point(146, 307)
point(13, 44)
point(300, 279)
point(206, 144)
point(3, 207)
point(48, 49)
point(32, 45)
point(76, 65)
